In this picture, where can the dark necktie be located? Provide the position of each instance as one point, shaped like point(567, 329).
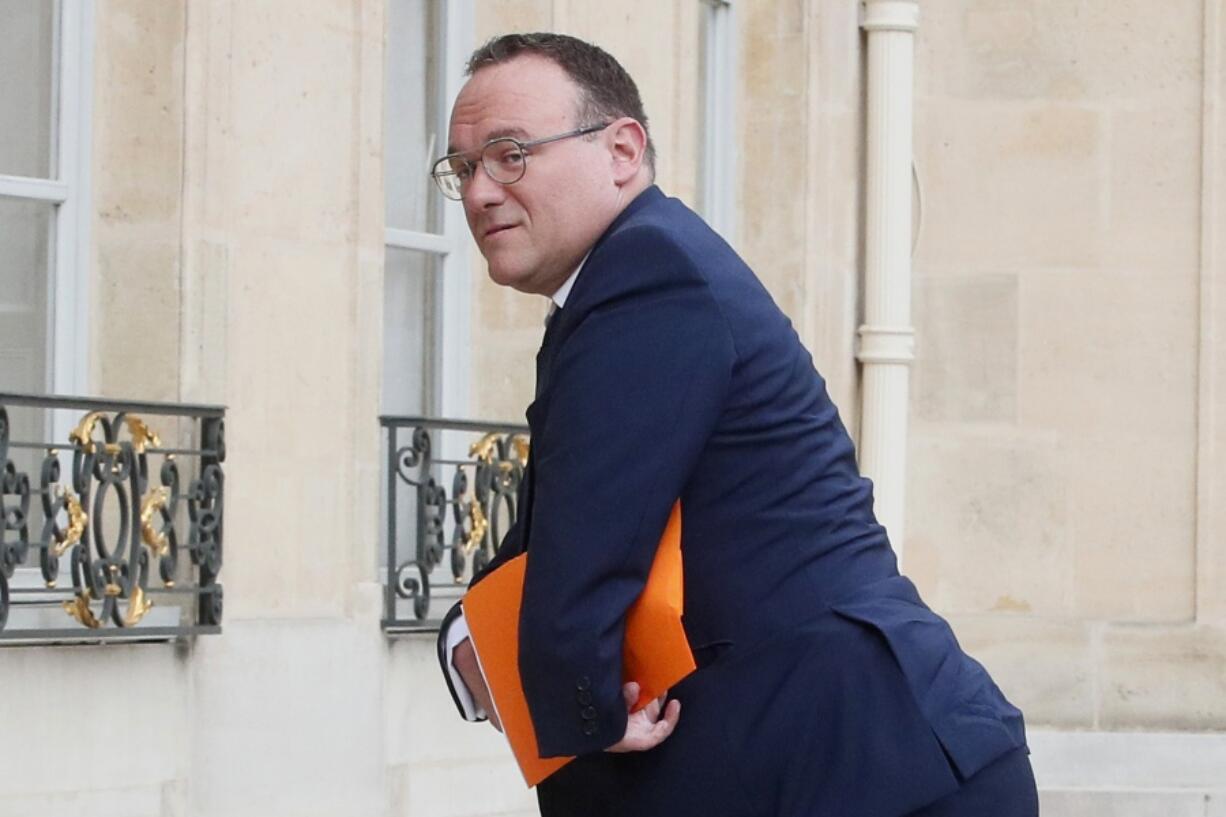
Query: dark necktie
point(543, 356)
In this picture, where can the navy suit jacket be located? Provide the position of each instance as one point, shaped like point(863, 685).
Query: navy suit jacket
point(826, 686)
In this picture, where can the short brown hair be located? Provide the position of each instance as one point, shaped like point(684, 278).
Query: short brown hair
point(606, 91)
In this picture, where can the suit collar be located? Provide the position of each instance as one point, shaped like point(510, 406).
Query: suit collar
point(650, 195)
point(558, 299)
point(581, 282)
point(560, 325)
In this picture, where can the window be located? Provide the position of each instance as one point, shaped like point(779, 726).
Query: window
point(46, 62)
point(426, 272)
point(717, 173)
point(426, 267)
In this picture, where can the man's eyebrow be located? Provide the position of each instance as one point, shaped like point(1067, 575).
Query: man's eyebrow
point(518, 133)
point(499, 133)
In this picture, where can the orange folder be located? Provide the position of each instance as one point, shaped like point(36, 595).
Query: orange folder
point(655, 652)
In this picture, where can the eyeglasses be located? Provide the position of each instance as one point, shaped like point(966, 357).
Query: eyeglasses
point(504, 160)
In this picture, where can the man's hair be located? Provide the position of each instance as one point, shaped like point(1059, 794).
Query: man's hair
point(606, 91)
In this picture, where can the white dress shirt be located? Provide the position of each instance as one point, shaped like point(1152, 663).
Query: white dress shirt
point(458, 630)
point(559, 297)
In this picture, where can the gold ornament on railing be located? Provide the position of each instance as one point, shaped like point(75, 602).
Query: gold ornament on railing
point(138, 605)
point(113, 588)
point(78, 607)
point(142, 435)
point(83, 434)
point(483, 449)
point(77, 520)
point(477, 535)
point(521, 444)
point(153, 502)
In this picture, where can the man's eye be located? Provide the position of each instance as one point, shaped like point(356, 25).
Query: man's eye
point(510, 158)
point(463, 173)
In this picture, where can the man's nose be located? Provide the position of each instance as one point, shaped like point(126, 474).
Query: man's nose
point(482, 191)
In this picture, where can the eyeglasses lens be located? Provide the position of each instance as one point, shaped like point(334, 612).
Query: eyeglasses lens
point(504, 161)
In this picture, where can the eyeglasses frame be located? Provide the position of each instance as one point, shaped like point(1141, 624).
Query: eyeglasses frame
point(524, 148)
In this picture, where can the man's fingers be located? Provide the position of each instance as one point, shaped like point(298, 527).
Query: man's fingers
point(642, 735)
point(630, 693)
point(664, 727)
point(647, 728)
point(672, 713)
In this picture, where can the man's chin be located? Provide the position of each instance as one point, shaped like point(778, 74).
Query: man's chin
point(509, 277)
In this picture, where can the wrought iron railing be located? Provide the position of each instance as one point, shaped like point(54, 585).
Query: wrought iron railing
point(112, 529)
point(449, 497)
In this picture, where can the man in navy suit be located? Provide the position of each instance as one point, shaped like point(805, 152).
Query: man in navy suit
point(825, 685)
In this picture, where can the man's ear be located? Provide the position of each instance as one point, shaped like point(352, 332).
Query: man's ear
point(627, 148)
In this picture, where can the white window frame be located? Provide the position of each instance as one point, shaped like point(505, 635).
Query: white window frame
point(719, 117)
point(69, 190)
point(451, 344)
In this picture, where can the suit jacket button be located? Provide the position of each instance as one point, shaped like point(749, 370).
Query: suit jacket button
point(589, 728)
point(589, 713)
point(584, 697)
point(584, 684)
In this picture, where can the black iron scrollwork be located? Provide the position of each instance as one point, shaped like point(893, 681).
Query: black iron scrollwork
point(463, 507)
point(122, 535)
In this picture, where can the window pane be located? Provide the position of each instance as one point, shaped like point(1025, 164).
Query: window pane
point(408, 331)
point(410, 140)
point(25, 250)
point(705, 26)
point(408, 360)
point(27, 71)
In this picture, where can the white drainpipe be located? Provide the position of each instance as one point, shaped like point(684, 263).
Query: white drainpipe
point(887, 338)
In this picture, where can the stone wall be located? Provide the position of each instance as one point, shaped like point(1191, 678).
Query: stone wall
point(1066, 487)
point(239, 260)
point(1064, 493)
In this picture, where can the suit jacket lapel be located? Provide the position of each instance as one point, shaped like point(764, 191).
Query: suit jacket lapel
point(544, 355)
point(544, 360)
point(557, 330)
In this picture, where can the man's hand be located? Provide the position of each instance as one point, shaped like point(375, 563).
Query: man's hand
point(645, 729)
point(464, 659)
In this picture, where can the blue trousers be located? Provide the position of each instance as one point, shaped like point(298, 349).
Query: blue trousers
point(1003, 788)
point(814, 721)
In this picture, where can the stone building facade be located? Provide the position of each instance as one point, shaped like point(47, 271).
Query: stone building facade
point(237, 217)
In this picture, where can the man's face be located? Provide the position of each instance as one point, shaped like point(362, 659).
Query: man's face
point(534, 232)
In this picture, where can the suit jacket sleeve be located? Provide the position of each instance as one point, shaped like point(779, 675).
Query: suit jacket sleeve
point(634, 394)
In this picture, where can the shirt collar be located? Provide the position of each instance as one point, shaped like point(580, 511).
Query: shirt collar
point(559, 297)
